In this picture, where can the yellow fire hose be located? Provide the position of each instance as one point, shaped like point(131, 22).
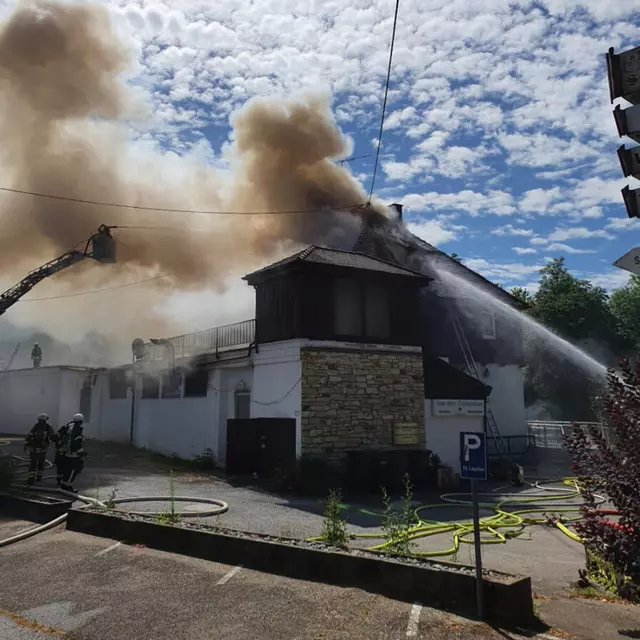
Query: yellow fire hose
point(504, 524)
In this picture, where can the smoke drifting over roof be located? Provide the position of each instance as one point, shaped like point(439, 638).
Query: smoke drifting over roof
point(63, 105)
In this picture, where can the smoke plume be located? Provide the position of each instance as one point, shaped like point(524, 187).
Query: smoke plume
point(63, 111)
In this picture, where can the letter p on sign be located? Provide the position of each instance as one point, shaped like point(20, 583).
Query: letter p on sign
point(471, 442)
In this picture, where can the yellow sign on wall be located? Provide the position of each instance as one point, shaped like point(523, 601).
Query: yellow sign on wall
point(406, 433)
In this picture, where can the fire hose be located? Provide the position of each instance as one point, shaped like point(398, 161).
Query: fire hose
point(219, 506)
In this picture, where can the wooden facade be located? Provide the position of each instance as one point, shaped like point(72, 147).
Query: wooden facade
point(326, 302)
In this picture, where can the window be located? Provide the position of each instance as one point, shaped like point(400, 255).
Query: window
point(361, 308)
point(376, 310)
point(118, 384)
point(242, 409)
point(150, 387)
point(196, 383)
point(487, 324)
point(348, 309)
point(171, 385)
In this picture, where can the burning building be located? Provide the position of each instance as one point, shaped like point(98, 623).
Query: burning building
point(350, 352)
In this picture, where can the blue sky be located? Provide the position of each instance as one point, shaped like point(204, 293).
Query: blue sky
point(500, 139)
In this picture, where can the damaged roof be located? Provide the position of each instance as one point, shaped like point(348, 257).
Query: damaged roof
point(390, 240)
point(339, 258)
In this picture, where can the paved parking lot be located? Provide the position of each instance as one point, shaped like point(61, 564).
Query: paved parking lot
point(547, 555)
point(64, 584)
point(61, 582)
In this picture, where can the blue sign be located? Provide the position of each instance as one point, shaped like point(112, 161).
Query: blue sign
point(473, 456)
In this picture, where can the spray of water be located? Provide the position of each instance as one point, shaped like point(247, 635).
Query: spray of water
point(469, 291)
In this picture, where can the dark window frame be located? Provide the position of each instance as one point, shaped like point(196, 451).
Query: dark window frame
point(363, 289)
point(118, 385)
point(196, 383)
point(145, 392)
point(171, 392)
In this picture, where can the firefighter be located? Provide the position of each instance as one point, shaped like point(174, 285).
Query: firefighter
point(72, 453)
point(59, 461)
point(36, 443)
point(36, 355)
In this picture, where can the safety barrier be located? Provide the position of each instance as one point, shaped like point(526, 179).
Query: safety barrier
point(235, 334)
point(549, 434)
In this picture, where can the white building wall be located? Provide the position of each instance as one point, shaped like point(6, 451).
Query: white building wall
point(24, 393)
point(507, 398)
point(111, 419)
point(442, 434)
point(71, 383)
point(277, 383)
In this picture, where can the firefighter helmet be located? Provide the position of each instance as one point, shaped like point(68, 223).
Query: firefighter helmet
point(78, 418)
point(43, 416)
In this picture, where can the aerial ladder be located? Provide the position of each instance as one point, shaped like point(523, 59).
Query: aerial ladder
point(101, 246)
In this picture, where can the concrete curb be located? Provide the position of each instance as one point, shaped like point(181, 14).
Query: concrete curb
point(32, 508)
point(508, 600)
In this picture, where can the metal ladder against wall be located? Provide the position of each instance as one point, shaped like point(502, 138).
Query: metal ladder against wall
point(470, 366)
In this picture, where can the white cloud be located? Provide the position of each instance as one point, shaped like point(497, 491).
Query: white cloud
point(613, 279)
point(573, 233)
point(565, 248)
point(503, 272)
point(525, 250)
point(539, 240)
point(623, 224)
point(433, 231)
point(538, 200)
point(510, 230)
point(498, 203)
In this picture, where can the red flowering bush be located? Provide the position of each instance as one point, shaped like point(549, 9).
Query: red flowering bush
point(610, 467)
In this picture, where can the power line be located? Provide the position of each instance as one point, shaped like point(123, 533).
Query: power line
point(168, 210)
point(86, 293)
point(384, 103)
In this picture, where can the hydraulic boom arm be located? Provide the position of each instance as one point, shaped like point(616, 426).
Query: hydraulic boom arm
point(100, 247)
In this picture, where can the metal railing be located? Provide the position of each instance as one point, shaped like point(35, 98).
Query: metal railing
point(549, 434)
point(229, 335)
point(511, 446)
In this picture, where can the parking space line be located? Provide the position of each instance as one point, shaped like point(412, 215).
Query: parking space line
point(111, 548)
point(229, 575)
point(414, 619)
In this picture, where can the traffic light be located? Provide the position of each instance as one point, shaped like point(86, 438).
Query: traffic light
point(632, 201)
point(623, 71)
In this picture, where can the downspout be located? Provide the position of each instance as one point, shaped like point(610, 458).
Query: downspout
point(133, 401)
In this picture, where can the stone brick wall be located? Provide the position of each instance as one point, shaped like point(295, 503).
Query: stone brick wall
point(352, 399)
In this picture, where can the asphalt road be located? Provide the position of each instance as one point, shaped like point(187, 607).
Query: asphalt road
point(68, 585)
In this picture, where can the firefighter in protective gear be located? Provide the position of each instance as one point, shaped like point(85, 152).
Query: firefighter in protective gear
point(36, 443)
point(36, 355)
point(71, 452)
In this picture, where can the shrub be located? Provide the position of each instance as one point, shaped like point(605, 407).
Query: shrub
point(334, 528)
point(611, 467)
point(397, 524)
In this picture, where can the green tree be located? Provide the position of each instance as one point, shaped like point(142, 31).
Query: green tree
point(576, 309)
point(579, 312)
point(522, 295)
point(625, 306)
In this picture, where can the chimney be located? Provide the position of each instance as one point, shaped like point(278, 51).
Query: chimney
point(397, 208)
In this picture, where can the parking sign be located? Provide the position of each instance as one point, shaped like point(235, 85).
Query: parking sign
point(473, 456)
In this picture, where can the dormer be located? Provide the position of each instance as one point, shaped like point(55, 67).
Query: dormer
point(327, 294)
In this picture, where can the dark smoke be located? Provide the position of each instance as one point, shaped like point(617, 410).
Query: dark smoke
point(61, 97)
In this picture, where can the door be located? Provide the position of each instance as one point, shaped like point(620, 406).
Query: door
point(260, 445)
